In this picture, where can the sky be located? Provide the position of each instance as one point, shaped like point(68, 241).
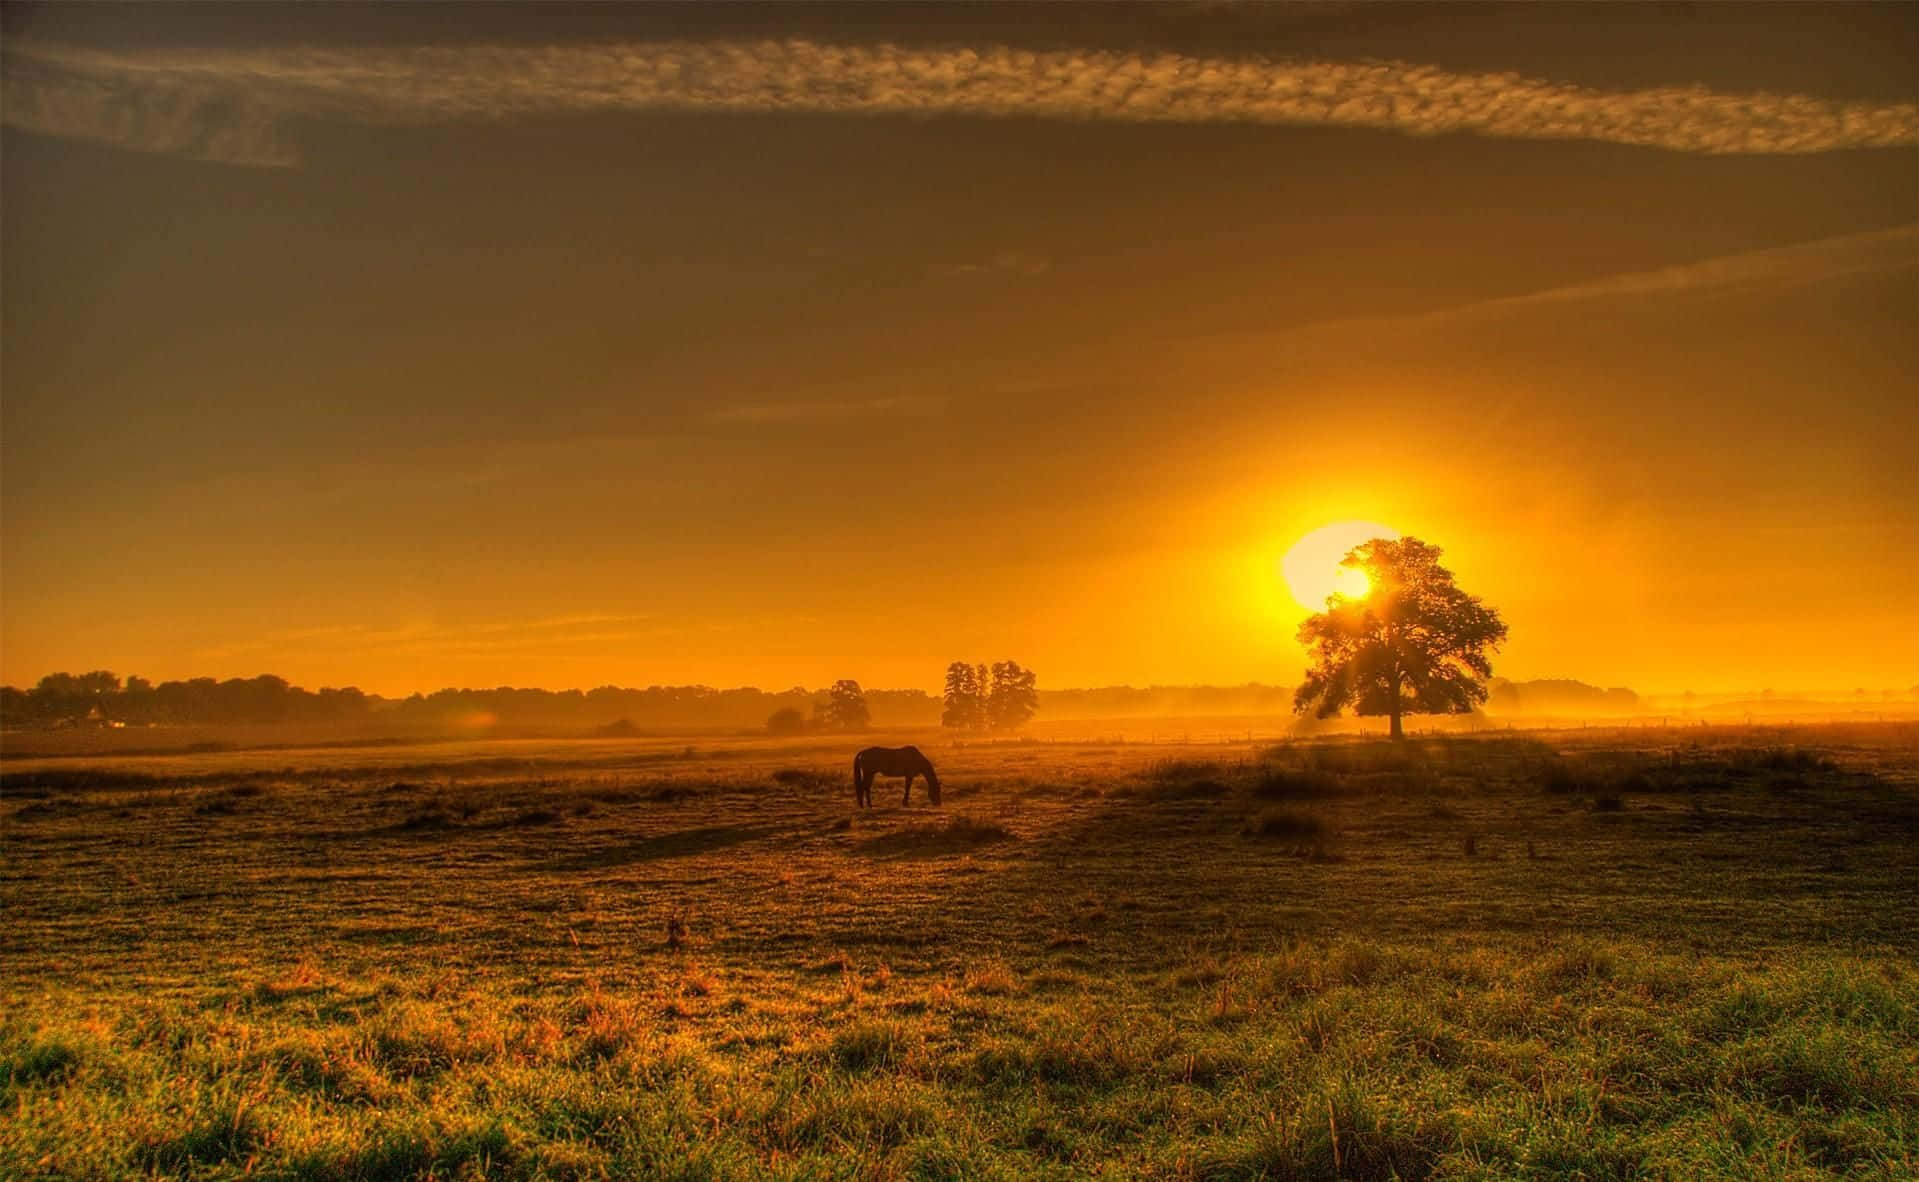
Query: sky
point(562, 346)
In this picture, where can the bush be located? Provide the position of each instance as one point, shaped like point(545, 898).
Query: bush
point(799, 777)
point(1779, 759)
point(1290, 785)
point(786, 722)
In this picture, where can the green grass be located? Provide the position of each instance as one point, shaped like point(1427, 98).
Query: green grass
point(1092, 962)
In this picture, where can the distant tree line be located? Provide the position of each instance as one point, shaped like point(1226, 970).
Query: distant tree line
point(102, 697)
point(1001, 697)
point(1167, 701)
point(842, 708)
point(1556, 695)
point(975, 698)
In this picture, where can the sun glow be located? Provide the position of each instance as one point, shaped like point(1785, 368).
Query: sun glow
point(1311, 568)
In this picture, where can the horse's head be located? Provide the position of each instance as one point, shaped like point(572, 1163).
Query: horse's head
point(932, 785)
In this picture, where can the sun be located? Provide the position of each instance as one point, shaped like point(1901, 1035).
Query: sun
point(1311, 568)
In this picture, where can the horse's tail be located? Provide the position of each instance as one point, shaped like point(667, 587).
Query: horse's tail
point(856, 768)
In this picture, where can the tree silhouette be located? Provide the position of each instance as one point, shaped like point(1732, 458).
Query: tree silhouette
point(964, 702)
point(1413, 644)
point(1014, 697)
point(786, 721)
point(846, 706)
point(98, 682)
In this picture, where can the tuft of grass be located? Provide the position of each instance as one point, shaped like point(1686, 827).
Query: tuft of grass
point(994, 978)
point(799, 778)
point(1337, 1130)
point(1181, 779)
point(960, 833)
point(871, 1046)
point(41, 1061)
point(1778, 759)
point(1295, 785)
point(229, 1133)
point(1287, 824)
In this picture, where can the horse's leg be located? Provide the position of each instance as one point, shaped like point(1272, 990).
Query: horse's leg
point(907, 795)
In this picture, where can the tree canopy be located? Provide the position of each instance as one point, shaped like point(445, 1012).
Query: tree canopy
point(846, 707)
point(1002, 697)
point(1415, 643)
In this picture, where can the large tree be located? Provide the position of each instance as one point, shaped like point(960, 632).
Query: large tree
point(846, 707)
point(1014, 698)
point(964, 702)
point(1003, 697)
point(1413, 644)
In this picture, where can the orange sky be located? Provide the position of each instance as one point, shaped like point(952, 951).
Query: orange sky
point(502, 381)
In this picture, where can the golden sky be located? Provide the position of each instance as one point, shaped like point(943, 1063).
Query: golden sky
point(479, 346)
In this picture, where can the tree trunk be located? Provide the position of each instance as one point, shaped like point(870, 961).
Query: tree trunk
point(1392, 645)
point(1398, 732)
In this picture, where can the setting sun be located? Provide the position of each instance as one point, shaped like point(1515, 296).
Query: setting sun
point(1311, 568)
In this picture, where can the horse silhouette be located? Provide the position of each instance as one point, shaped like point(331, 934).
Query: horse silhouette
point(892, 761)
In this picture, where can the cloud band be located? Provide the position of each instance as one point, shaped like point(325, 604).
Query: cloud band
point(230, 104)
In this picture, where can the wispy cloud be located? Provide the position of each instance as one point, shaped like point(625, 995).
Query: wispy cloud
point(213, 121)
point(233, 105)
point(1799, 263)
point(1006, 262)
point(911, 405)
point(543, 636)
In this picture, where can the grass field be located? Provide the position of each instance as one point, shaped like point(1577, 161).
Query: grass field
point(1657, 954)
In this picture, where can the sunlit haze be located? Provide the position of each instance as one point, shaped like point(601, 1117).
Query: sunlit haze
point(1312, 567)
point(769, 346)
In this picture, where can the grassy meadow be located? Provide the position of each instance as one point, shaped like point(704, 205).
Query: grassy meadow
point(1650, 954)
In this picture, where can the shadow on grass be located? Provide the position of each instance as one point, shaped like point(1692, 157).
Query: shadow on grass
point(962, 834)
point(1179, 841)
point(684, 843)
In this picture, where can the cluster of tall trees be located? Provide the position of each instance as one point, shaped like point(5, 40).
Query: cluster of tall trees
point(1003, 696)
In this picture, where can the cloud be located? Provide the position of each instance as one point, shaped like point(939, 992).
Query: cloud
point(182, 118)
point(542, 636)
point(799, 412)
point(1006, 262)
point(232, 105)
point(1802, 262)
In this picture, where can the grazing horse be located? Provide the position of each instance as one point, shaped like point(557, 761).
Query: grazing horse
point(892, 761)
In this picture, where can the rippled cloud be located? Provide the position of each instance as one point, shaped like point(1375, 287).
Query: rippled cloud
point(237, 105)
